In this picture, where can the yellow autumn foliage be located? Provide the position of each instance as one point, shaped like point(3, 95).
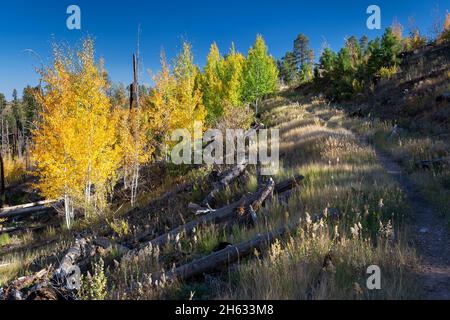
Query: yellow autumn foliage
point(75, 143)
point(176, 99)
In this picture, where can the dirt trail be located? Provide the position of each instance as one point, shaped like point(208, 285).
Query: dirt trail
point(430, 231)
point(431, 234)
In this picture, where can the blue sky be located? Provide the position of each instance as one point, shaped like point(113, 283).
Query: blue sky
point(35, 24)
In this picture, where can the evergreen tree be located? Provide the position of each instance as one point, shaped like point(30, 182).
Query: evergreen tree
point(304, 57)
point(364, 44)
point(391, 47)
point(2, 102)
point(30, 107)
point(287, 68)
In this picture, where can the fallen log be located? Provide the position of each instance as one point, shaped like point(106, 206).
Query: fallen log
point(216, 216)
point(27, 211)
point(68, 265)
point(14, 290)
point(28, 205)
point(288, 184)
point(230, 254)
point(224, 182)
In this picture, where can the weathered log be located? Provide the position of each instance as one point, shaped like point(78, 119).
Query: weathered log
point(264, 195)
point(68, 264)
point(30, 209)
point(224, 182)
point(232, 253)
point(288, 184)
point(217, 216)
point(220, 258)
point(28, 205)
point(14, 290)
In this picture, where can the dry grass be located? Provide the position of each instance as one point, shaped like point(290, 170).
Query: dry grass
point(341, 175)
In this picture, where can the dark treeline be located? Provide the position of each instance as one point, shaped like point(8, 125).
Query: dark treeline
point(17, 118)
point(357, 67)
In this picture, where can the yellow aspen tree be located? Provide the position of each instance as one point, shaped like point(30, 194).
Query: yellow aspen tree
point(445, 35)
point(75, 143)
point(397, 29)
point(136, 148)
point(160, 104)
point(233, 68)
point(161, 101)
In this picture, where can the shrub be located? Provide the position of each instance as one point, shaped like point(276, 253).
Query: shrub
point(94, 287)
point(388, 72)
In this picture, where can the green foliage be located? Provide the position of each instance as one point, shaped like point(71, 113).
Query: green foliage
point(4, 239)
point(260, 74)
point(221, 82)
point(30, 107)
point(287, 68)
point(358, 64)
point(304, 57)
point(93, 287)
point(212, 84)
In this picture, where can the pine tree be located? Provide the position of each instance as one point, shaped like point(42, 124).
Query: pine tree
point(304, 57)
point(288, 69)
point(364, 44)
point(391, 47)
point(260, 75)
point(30, 107)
